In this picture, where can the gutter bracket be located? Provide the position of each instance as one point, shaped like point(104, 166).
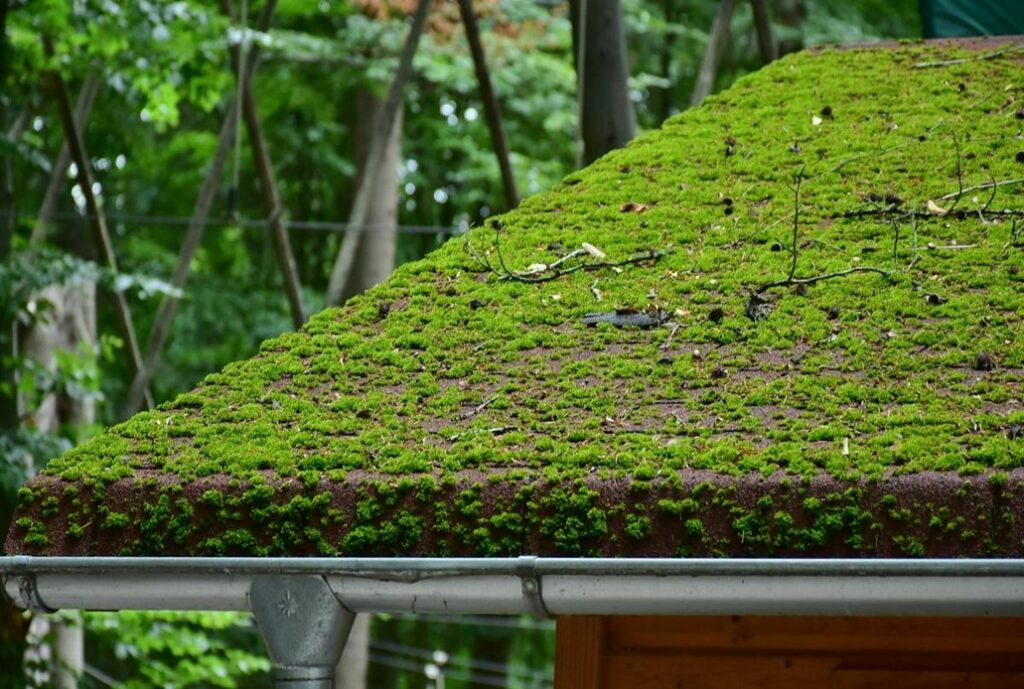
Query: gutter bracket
point(304, 626)
point(29, 593)
point(533, 593)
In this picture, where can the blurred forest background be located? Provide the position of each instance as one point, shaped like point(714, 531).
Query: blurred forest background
point(160, 81)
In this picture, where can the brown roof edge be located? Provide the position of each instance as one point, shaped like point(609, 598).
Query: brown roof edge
point(693, 513)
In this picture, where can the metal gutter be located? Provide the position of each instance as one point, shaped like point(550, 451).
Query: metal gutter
point(534, 585)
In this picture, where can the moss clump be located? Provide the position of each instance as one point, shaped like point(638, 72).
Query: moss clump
point(414, 428)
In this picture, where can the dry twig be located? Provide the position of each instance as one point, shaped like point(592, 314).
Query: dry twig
point(555, 270)
point(963, 60)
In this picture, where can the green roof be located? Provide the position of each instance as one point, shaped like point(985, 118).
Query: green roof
point(864, 400)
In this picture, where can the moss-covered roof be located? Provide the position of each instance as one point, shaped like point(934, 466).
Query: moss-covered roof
point(465, 408)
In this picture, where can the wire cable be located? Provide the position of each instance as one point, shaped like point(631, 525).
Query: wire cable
point(399, 663)
point(477, 620)
point(140, 219)
point(468, 663)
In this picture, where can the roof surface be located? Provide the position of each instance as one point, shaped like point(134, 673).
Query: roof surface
point(857, 395)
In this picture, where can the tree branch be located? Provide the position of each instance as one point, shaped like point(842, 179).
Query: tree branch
point(360, 208)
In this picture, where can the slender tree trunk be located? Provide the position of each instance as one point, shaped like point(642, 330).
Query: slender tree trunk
point(101, 235)
point(791, 14)
point(4, 7)
point(375, 254)
point(71, 327)
point(492, 109)
point(57, 186)
point(606, 113)
point(6, 224)
point(763, 26)
point(351, 670)
point(378, 143)
point(717, 41)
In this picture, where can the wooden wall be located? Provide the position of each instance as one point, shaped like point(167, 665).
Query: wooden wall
point(788, 653)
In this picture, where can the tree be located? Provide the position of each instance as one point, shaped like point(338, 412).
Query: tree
point(375, 255)
point(599, 47)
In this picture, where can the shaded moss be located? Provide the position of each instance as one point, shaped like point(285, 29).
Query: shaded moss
point(441, 417)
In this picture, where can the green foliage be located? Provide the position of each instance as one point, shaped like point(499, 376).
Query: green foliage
point(178, 650)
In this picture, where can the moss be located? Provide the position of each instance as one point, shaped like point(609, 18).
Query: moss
point(435, 412)
point(116, 520)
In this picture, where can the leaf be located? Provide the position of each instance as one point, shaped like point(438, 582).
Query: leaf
point(593, 250)
point(935, 209)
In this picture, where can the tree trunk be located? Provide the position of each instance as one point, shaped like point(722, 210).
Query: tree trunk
point(668, 50)
point(607, 120)
point(382, 133)
point(375, 255)
point(70, 327)
point(717, 40)
point(350, 673)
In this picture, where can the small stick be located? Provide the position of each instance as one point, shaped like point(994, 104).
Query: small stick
point(826, 276)
point(594, 290)
point(960, 61)
point(895, 239)
point(668, 340)
point(986, 185)
point(479, 408)
point(796, 221)
point(917, 254)
point(959, 175)
point(991, 197)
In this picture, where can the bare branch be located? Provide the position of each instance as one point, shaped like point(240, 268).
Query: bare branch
point(960, 61)
point(991, 197)
point(959, 175)
point(826, 276)
point(979, 187)
point(796, 221)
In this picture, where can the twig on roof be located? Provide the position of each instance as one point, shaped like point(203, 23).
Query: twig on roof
point(979, 187)
point(479, 408)
point(668, 340)
point(963, 60)
point(895, 239)
point(991, 197)
point(796, 221)
point(917, 254)
point(872, 212)
point(791, 279)
point(895, 147)
point(826, 276)
point(546, 272)
point(959, 175)
point(981, 100)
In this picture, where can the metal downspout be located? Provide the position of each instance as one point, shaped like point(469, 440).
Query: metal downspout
point(304, 626)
